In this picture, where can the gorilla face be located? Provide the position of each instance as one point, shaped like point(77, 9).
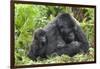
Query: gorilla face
point(40, 36)
point(70, 37)
point(67, 34)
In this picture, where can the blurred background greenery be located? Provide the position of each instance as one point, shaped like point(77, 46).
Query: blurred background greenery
point(29, 17)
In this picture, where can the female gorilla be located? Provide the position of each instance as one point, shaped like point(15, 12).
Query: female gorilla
point(72, 34)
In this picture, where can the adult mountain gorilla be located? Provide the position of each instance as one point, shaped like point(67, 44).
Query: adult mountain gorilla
point(72, 34)
point(64, 36)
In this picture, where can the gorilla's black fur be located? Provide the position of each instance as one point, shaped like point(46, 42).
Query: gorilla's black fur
point(62, 36)
point(39, 44)
point(66, 25)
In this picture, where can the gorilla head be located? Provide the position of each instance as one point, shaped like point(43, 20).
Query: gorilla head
point(40, 36)
point(65, 25)
point(38, 45)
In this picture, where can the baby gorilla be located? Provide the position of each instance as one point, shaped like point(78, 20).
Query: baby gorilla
point(39, 44)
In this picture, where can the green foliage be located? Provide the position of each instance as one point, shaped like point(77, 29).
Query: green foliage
point(30, 17)
point(66, 59)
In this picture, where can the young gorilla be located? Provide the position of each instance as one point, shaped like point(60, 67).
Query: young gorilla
point(40, 36)
point(39, 44)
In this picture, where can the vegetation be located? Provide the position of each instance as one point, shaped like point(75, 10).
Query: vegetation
point(30, 17)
